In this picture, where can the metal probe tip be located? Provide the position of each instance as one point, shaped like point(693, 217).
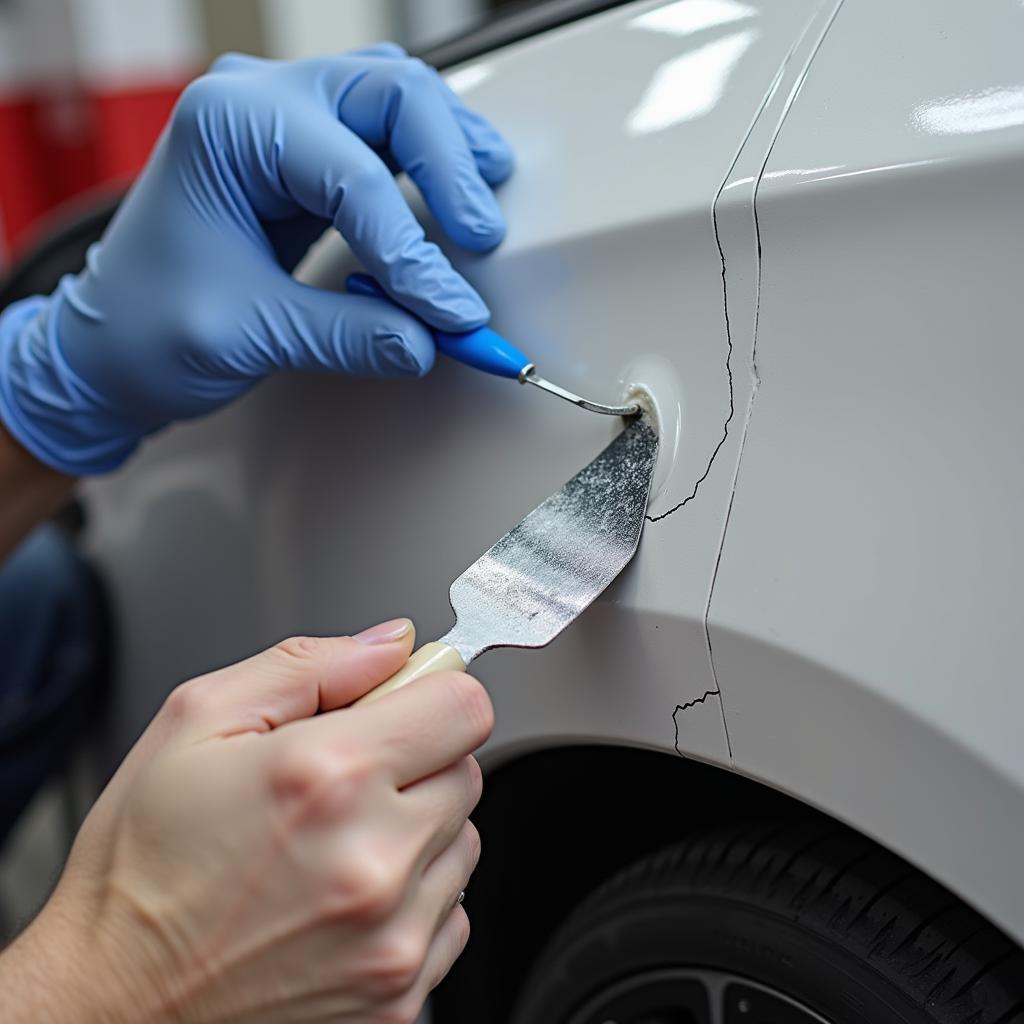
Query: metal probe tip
point(529, 375)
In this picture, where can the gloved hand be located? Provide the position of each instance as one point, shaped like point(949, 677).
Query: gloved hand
point(189, 300)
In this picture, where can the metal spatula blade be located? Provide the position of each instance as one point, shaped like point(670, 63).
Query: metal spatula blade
point(544, 572)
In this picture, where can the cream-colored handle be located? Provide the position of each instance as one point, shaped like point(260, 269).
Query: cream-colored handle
point(432, 657)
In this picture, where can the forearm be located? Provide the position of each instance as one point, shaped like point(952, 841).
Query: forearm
point(47, 977)
point(29, 491)
point(30, 992)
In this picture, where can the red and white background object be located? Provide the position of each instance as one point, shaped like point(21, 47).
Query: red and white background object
point(85, 88)
point(86, 85)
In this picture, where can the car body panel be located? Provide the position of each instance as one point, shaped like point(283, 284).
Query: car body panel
point(865, 621)
point(319, 505)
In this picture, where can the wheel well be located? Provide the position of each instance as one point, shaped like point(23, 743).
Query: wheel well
point(555, 824)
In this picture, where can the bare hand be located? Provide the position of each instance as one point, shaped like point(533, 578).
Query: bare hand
point(254, 860)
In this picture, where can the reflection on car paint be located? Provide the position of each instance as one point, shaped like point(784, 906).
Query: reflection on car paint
point(685, 17)
point(690, 86)
point(987, 111)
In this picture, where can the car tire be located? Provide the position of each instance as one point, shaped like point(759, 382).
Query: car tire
point(778, 924)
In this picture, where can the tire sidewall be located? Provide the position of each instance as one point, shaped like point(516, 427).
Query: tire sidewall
point(635, 935)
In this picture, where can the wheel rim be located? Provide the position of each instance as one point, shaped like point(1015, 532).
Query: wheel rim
point(693, 996)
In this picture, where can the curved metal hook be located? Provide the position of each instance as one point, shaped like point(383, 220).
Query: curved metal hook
point(529, 375)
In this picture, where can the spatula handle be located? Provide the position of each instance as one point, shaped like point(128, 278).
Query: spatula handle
point(432, 657)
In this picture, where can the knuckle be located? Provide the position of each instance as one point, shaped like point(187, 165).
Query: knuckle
point(195, 99)
point(300, 772)
point(320, 782)
point(366, 177)
point(301, 649)
point(206, 101)
point(201, 325)
point(365, 889)
point(227, 61)
point(398, 961)
point(414, 73)
point(473, 702)
point(187, 701)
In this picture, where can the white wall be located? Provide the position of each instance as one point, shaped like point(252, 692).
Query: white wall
point(305, 28)
point(103, 42)
point(121, 42)
point(302, 28)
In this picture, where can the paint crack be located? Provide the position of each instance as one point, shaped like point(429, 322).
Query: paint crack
point(686, 707)
point(728, 370)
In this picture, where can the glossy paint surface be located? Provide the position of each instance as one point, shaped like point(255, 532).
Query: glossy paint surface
point(836, 381)
point(865, 620)
point(319, 505)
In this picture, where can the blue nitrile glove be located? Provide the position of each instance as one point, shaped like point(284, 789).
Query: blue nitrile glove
point(188, 300)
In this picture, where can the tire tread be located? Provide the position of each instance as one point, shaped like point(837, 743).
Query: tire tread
point(938, 952)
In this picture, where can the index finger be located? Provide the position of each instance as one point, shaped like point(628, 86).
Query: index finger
point(416, 731)
point(329, 171)
point(403, 104)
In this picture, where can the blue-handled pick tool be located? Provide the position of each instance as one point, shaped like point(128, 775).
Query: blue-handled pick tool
point(486, 350)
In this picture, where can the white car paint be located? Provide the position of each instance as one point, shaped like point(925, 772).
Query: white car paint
point(865, 620)
point(857, 592)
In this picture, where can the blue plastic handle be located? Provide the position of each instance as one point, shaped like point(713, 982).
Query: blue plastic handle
point(483, 349)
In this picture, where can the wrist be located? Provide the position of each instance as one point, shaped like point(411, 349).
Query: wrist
point(44, 405)
point(31, 489)
point(59, 972)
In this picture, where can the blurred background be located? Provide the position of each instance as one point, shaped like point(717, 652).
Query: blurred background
point(86, 85)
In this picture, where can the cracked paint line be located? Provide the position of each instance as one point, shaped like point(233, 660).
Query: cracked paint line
point(728, 355)
point(755, 180)
point(769, 93)
point(728, 370)
point(697, 700)
point(755, 374)
point(683, 708)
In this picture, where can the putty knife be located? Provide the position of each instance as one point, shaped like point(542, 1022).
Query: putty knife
point(542, 574)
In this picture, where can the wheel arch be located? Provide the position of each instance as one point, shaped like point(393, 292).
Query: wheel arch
point(563, 798)
point(558, 820)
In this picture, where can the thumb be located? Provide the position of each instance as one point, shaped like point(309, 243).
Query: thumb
point(313, 329)
point(291, 680)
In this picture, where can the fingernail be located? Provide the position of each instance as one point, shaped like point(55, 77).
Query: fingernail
point(385, 633)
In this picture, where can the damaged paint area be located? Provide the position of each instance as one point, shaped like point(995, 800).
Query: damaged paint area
point(737, 237)
point(699, 729)
point(682, 721)
point(729, 378)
